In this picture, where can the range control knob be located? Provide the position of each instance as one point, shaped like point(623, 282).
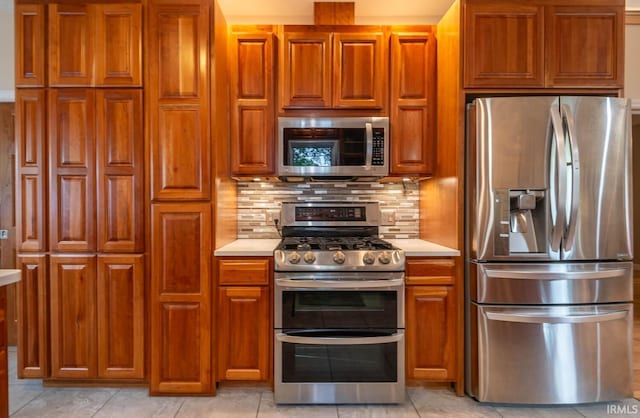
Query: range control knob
point(385, 257)
point(294, 258)
point(368, 257)
point(309, 257)
point(339, 257)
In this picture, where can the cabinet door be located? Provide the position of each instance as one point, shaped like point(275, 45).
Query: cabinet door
point(244, 333)
point(585, 46)
point(252, 110)
point(177, 55)
point(430, 333)
point(118, 58)
point(32, 317)
point(413, 88)
point(72, 168)
point(32, 167)
point(359, 70)
point(180, 348)
point(305, 70)
point(503, 44)
point(120, 316)
point(73, 317)
point(120, 148)
point(71, 44)
point(29, 43)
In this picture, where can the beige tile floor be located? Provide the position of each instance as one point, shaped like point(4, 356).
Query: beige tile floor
point(28, 398)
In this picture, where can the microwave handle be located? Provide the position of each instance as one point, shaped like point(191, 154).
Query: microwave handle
point(369, 133)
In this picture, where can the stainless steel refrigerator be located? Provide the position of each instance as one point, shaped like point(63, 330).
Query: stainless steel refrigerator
point(549, 233)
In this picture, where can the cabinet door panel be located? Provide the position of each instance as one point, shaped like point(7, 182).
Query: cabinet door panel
point(30, 41)
point(71, 44)
point(72, 165)
point(413, 88)
point(32, 166)
point(244, 333)
point(252, 114)
point(73, 317)
point(305, 66)
point(118, 44)
point(585, 46)
point(120, 320)
point(120, 201)
point(430, 333)
point(359, 70)
point(32, 317)
point(503, 45)
point(180, 298)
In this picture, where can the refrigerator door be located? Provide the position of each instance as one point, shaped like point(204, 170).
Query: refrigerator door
point(599, 201)
point(510, 140)
point(551, 354)
point(551, 283)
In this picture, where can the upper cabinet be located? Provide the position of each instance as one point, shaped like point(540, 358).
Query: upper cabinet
point(539, 44)
point(30, 39)
point(333, 70)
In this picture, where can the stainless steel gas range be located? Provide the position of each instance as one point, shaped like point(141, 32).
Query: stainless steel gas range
point(339, 307)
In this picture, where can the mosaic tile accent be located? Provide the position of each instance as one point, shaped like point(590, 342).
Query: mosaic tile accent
point(259, 203)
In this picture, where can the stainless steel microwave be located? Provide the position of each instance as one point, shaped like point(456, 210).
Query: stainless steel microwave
point(333, 147)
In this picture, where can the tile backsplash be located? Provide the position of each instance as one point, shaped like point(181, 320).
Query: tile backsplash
point(259, 203)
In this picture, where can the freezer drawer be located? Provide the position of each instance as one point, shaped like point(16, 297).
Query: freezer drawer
point(551, 283)
point(551, 355)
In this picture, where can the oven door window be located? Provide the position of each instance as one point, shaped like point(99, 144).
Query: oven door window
point(354, 309)
point(307, 363)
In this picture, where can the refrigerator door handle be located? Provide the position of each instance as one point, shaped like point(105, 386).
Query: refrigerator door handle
point(547, 275)
point(558, 183)
point(536, 318)
point(574, 165)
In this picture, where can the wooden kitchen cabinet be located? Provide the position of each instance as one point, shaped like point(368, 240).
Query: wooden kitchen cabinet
point(106, 39)
point(244, 324)
point(31, 161)
point(180, 299)
point(32, 350)
point(4, 355)
point(412, 102)
point(431, 316)
point(333, 70)
point(543, 44)
point(30, 45)
point(252, 103)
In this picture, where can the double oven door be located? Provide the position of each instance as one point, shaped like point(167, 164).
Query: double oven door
point(339, 337)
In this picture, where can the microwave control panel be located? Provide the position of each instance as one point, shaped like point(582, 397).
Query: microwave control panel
point(377, 155)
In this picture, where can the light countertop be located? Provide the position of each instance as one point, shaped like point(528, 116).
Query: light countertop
point(8, 276)
point(265, 247)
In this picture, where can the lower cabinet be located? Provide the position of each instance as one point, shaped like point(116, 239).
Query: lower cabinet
point(4, 366)
point(431, 319)
point(244, 319)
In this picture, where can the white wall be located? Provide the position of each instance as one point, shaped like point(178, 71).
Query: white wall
point(632, 64)
point(6, 51)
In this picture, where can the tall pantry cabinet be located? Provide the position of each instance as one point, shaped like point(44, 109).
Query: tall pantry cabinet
point(80, 190)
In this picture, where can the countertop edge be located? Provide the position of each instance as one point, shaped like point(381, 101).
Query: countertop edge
point(9, 276)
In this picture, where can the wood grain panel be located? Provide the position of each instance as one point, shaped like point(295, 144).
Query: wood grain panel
point(503, 45)
point(120, 162)
point(73, 316)
point(305, 70)
point(120, 316)
point(4, 365)
point(30, 45)
point(243, 271)
point(333, 13)
point(30, 134)
point(440, 271)
point(244, 333)
point(585, 46)
point(359, 70)
point(32, 317)
point(72, 166)
point(430, 334)
point(118, 59)
point(71, 24)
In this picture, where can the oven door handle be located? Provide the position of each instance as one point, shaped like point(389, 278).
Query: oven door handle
point(393, 338)
point(339, 284)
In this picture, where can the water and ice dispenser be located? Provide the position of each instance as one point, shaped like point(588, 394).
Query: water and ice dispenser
point(520, 222)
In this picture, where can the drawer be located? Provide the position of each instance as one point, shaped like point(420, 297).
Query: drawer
point(430, 270)
point(244, 271)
